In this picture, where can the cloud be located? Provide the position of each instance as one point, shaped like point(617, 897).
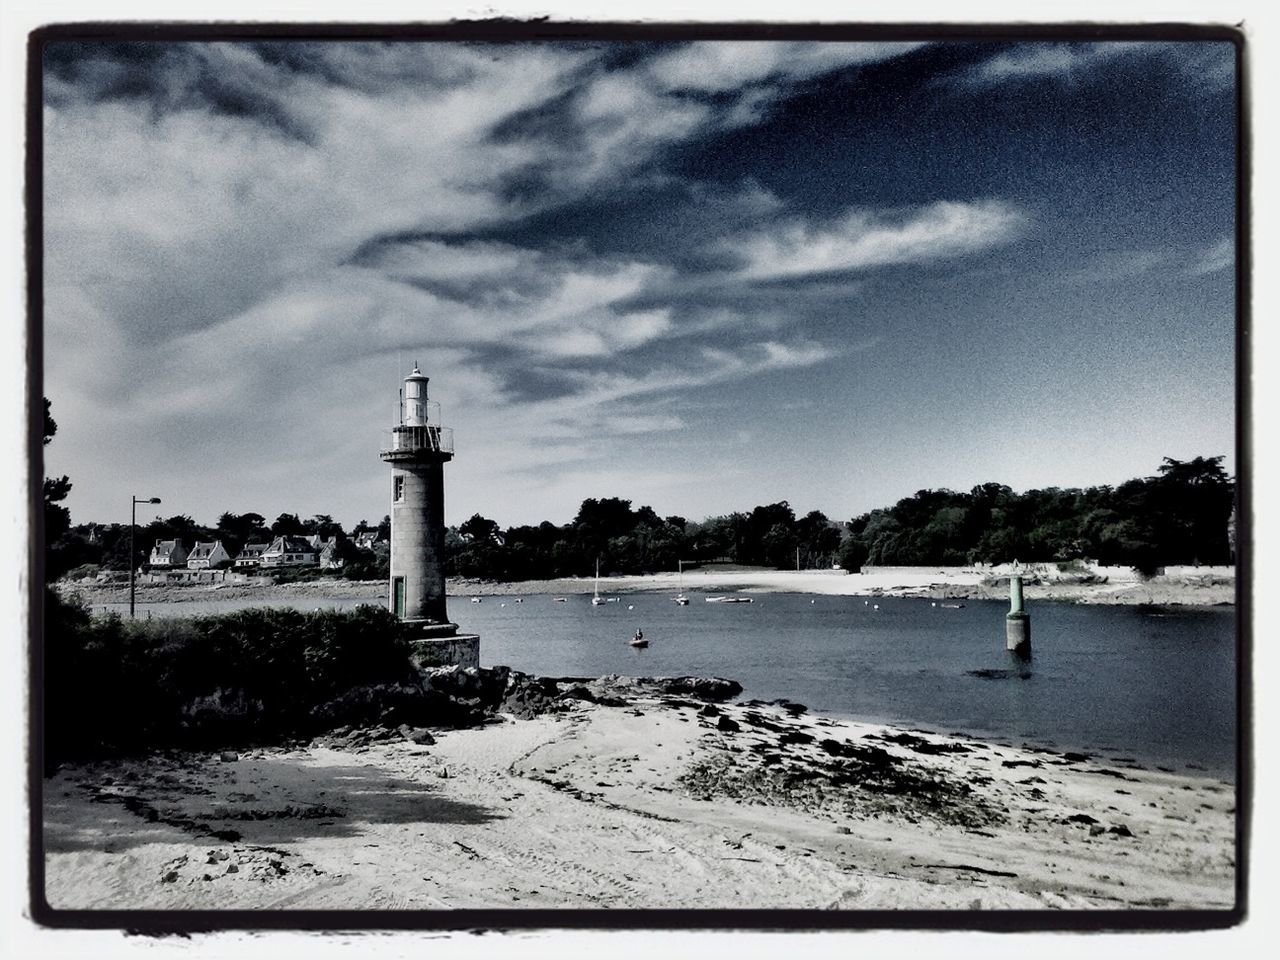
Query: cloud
point(1204, 67)
point(1219, 256)
point(724, 66)
point(864, 239)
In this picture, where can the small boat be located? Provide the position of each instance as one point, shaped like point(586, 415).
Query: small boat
point(560, 600)
point(680, 598)
point(728, 599)
point(596, 600)
point(612, 600)
point(952, 606)
point(639, 643)
point(519, 600)
point(476, 599)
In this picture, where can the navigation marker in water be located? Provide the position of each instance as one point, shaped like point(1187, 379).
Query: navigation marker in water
point(1017, 622)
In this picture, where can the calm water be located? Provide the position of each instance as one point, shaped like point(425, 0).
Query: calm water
point(1155, 685)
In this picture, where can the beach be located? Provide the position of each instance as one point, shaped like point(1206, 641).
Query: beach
point(922, 582)
point(620, 798)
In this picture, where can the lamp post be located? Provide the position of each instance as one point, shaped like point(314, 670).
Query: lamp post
point(133, 556)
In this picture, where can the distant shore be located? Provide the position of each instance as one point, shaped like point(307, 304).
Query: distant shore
point(1158, 591)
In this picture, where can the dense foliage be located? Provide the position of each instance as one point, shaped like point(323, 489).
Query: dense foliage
point(626, 540)
point(114, 685)
point(1181, 515)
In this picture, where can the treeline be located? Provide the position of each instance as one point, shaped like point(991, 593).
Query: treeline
point(1181, 515)
point(626, 540)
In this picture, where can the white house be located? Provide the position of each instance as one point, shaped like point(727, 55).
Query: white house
point(251, 555)
point(208, 556)
point(365, 539)
point(168, 553)
point(290, 552)
point(329, 559)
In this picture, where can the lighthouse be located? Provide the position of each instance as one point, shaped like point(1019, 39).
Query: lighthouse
point(417, 453)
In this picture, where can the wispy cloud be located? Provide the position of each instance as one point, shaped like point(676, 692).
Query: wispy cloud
point(863, 239)
point(1219, 256)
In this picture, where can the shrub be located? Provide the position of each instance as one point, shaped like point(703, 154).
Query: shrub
point(254, 676)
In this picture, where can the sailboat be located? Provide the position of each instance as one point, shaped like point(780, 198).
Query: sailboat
point(597, 599)
point(680, 598)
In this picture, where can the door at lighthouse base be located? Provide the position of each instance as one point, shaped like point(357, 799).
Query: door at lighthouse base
point(397, 593)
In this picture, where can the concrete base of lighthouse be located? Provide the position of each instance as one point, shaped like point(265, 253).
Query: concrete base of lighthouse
point(434, 644)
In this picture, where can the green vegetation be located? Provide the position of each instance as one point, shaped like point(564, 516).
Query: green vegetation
point(639, 541)
point(254, 676)
point(1178, 516)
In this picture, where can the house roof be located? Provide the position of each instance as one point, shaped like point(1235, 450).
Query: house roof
point(253, 550)
point(167, 546)
point(290, 545)
point(202, 550)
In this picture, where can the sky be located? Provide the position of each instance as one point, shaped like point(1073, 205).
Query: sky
point(698, 276)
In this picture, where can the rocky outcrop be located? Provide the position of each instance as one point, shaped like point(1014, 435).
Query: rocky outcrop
point(714, 689)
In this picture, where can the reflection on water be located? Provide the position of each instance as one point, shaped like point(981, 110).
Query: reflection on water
point(1158, 687)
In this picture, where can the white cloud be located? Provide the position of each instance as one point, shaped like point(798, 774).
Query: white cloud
point(1219, 256)
point(717, 67)
point(1049, 60)
point(863, 239)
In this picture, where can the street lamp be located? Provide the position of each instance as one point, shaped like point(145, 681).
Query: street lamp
point(133, 556)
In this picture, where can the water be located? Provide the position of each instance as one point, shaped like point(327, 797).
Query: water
point(1158, 686)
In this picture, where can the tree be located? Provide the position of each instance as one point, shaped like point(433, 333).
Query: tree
point(480, 529)
point(288, 525)
point(57, 518)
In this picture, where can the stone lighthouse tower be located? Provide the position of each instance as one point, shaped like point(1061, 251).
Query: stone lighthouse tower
point(419, 449)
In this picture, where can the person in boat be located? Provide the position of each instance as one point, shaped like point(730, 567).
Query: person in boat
point(639, 634)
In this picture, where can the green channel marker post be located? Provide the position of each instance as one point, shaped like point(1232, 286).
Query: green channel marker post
point(1017, 623)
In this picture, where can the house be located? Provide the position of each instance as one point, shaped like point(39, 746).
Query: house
point(329, 558)
point(366, 539)
point(316, 541)
point(251, 555)
point(208, 556)
point(290, 552)
point(168, 553)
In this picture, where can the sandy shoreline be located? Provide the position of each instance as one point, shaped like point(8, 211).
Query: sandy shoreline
point(656, 803)
point(1159, 591)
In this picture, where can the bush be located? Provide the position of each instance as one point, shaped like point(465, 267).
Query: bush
point(86, 571)
point(254, 676)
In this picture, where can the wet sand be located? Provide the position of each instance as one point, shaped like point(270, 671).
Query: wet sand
point(657, 803)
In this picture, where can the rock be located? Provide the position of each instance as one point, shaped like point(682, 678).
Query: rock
point(232, 868)
point(1120, 830)
point(1097, 829)
point(1080, 818)
point(170, 877)
point(420, 735)
point(728, 725)
point(710, 710)
point(843, 830)
point(228, 756)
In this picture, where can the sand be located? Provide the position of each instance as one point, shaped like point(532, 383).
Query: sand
point(1161, 591)
point(645, 805)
